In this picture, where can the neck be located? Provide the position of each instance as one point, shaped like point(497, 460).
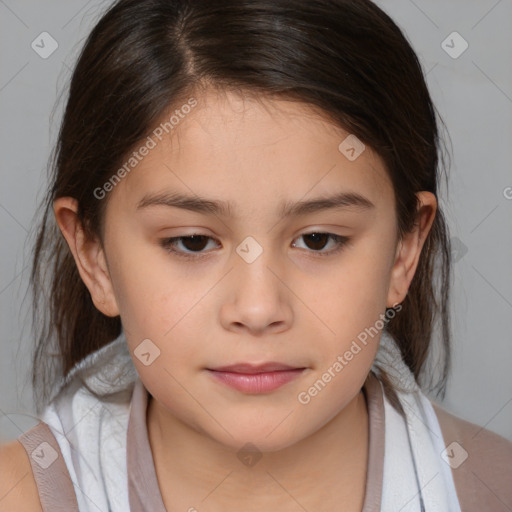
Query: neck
point(195, 470)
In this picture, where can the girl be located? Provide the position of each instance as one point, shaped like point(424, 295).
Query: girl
point(241, 244)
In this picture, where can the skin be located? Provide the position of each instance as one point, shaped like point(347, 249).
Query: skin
point(290, 305)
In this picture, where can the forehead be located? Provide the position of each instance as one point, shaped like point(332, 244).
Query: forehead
point(251, 151)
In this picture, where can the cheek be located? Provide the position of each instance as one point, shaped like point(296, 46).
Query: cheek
point(150, 293)
point(163, 307)
point(351, 307)
point(353, 298)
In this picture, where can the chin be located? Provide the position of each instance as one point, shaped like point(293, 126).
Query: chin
point(258, 436)
point(257, 443)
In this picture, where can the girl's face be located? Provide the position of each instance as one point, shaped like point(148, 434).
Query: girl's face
point(254, 286)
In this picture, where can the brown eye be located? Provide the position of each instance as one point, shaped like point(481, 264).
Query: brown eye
point(317, 241)
point(192, 244)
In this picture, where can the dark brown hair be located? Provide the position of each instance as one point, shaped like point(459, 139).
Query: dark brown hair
point(346, 58)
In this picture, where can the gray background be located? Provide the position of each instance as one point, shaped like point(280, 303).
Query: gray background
point(473, 94)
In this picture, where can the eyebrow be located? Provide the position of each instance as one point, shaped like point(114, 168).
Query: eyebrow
point(341, 200)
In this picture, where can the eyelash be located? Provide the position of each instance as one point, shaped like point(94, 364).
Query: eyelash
point(168, 245)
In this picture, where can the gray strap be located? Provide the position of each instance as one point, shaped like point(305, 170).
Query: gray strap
point(56, 491)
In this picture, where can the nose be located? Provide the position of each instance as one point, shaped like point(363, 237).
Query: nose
point(258, 297)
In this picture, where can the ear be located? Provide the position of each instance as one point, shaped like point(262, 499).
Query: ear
point(409, 249)
point(88, 254)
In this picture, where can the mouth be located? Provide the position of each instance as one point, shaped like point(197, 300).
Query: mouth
point(255, 379)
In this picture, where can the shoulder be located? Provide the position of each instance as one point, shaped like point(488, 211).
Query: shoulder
point(481, 461)
point(482, 442)
point(18, 489)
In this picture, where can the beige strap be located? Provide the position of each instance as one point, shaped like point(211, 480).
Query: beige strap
point(56, 491)
point(375, 404)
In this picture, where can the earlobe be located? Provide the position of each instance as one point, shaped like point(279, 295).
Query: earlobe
point(409, 249)
point(88, 254)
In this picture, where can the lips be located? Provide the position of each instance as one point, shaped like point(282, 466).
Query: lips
point(255, 379)
point(248, 368)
